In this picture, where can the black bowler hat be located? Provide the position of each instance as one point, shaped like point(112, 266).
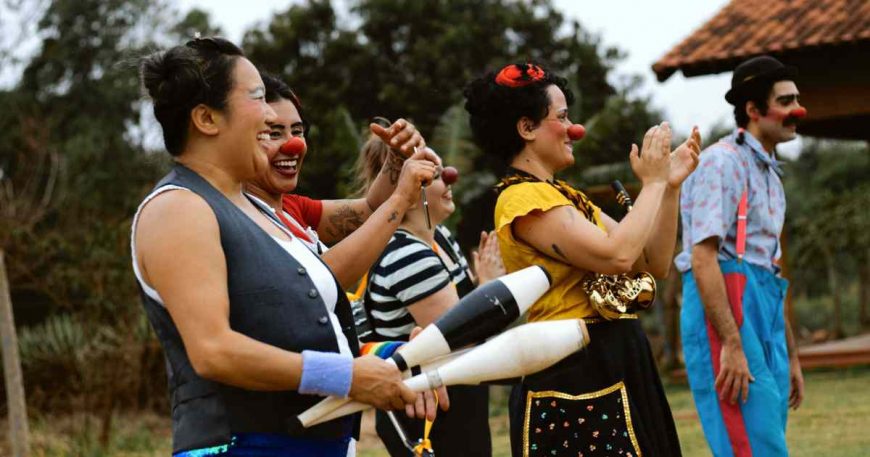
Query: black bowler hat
point(756, 70)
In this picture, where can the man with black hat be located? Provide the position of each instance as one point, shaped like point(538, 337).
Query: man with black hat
point(738, 347)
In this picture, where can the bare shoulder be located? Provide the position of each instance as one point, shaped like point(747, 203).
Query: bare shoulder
point(173, 206)
point(175, 214)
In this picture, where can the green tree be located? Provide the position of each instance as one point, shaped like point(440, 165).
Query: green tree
point(72, 171)
point(828, 226)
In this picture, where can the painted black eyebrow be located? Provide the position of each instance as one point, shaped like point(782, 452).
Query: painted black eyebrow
point(787, 98)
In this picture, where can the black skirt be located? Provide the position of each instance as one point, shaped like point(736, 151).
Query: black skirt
point(461, 431)
point(606, 400)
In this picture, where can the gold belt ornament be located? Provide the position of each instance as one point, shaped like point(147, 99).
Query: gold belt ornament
point(614, 295)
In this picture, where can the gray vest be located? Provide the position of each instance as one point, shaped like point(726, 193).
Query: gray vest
point(273, 300)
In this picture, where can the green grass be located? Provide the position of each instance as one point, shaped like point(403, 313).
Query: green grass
point(831, 422)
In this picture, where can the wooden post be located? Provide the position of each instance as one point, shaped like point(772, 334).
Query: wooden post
point(18, 433)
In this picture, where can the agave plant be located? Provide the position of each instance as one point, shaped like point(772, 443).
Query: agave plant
point(58, 340)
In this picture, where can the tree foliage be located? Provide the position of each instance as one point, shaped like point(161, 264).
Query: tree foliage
point(828, 225)
point(71, 174)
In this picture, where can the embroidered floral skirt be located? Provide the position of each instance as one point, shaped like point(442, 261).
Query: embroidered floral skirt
point(606, 400)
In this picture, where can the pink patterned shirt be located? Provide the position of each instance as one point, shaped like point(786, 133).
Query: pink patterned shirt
point(709, 199)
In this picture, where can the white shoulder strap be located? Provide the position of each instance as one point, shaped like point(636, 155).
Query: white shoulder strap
point(150, 291)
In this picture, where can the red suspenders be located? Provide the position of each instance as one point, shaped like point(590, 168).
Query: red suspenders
point(741, 224)
point(742, 210)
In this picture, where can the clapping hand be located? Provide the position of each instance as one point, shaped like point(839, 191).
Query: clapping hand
point(684, 159)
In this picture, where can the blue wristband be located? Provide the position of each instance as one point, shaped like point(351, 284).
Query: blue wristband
point(326, 373)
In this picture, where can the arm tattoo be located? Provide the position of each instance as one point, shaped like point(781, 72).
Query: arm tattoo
point(393, 216)
point(344, 221)
point(392, 167)
point(559, 252)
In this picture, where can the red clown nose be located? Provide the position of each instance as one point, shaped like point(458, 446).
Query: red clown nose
point(293, 147)
point(798, 113)
point(576, 132)
point(449, 175)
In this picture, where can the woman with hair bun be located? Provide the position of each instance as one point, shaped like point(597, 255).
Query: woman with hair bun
point(254, 326)
point(606, 399)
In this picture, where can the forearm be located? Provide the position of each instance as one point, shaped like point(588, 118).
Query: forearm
point(385, 183)
point(789, 339)
point(659, 249)
point(711, 286)
point(633, 233)
point(340, 218)
point(564, 234)
point(235, 359)
point(352, 257)
point(429, 309)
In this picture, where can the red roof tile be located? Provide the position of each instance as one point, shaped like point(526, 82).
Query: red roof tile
point(746, 28)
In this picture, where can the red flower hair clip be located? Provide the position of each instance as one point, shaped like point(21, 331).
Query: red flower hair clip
point(519, 75)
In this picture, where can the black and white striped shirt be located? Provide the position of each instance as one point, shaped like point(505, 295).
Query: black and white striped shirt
point(407, 272)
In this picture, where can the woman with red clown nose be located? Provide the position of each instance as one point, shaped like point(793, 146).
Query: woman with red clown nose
point(365, 224)
point(608, 398)
point(421, 274)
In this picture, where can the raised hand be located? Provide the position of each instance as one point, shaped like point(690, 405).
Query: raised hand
point(652, 162)
point(684, 159)
point(401, 136)
point(487, 259)
point(419, 169)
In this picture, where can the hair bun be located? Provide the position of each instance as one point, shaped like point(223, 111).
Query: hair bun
point(172, 73)
point(154, 73)
point(182, 77)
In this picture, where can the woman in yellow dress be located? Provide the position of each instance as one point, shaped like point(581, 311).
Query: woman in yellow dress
point(608, 398)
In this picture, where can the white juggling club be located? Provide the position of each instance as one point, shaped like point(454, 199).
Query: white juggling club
point(518, 352)
point(482, 313)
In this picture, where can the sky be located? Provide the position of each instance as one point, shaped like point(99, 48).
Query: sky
point(643, 30)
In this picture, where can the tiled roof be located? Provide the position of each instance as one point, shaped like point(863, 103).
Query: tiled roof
point(746, 28)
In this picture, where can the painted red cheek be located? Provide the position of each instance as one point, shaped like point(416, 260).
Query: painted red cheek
point(576, 132)
point(293, 147)
point(449, 175)
point(777, 114)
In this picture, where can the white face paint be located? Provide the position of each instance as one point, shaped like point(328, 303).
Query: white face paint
point(784, 97)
